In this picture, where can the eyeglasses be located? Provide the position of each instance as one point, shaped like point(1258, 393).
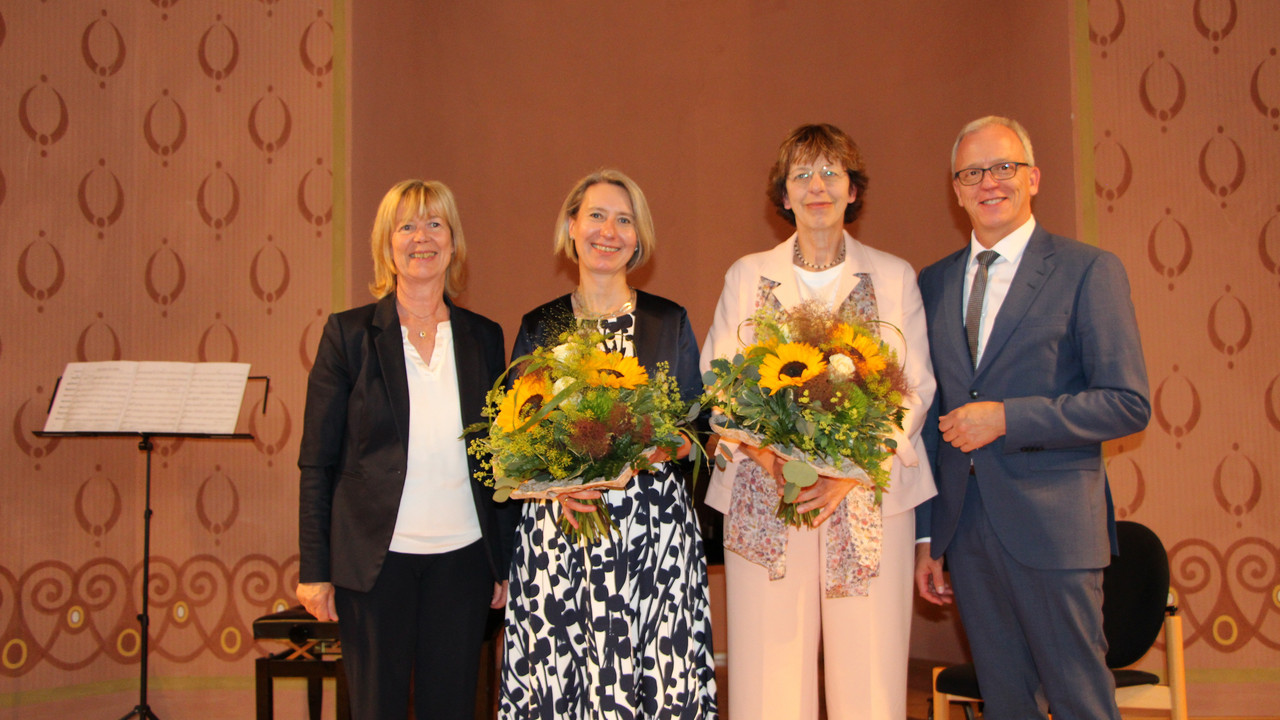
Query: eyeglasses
point(829, 175)
point(1003, 171)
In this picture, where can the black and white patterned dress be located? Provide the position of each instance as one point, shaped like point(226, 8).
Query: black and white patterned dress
point(620, 629)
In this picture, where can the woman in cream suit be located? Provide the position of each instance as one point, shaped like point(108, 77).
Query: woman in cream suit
point(789, 588)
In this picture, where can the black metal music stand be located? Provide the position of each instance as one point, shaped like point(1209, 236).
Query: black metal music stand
point(142, 709)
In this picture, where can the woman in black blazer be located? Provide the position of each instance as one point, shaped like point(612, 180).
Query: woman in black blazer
point(398, 542)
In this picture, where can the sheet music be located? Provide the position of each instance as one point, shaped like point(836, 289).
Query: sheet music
point(126, 396)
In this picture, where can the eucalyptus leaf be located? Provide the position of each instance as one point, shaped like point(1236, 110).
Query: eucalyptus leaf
point(694, 411)
point(806, 427)
point(708, 378)
point(800, 473)
point(790, 492)
point(502, 493)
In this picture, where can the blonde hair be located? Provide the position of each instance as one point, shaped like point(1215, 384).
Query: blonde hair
point(425, 197)
point(645, 239)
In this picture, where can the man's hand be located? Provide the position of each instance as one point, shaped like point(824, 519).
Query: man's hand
point(317, 598)
point(930, 581)
point(972, 426)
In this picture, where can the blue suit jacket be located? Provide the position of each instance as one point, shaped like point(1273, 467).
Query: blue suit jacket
point(355, 442)
point(1065, 358)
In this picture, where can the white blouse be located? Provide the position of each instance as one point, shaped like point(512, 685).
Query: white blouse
point(437, 511)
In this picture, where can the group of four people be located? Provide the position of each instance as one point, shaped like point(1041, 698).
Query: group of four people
point(1022, 355)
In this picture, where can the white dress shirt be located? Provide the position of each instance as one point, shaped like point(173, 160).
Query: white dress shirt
point(999, 276)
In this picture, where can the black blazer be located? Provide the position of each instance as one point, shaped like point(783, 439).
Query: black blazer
point(662, 334)
point(355, 442)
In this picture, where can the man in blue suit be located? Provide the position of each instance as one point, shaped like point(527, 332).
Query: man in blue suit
point(1036, 351)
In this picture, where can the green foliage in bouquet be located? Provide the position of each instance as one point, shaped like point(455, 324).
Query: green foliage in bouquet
point(820, 388)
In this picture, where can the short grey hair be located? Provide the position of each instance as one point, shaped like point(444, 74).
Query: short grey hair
point(988, 121)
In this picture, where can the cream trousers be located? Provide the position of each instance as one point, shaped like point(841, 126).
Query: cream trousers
point(775, 628)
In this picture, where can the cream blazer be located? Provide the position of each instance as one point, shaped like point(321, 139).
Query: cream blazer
point(898, 302)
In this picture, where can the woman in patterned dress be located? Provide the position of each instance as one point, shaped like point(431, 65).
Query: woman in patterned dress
point(620, 629)
point(845, 585)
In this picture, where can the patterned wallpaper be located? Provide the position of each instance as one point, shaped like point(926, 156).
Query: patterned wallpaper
point(167, 170)
point(166, 185)
point(1186, 131)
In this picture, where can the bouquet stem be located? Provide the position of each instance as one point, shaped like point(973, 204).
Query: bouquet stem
point(789, 513)
point(592, 526)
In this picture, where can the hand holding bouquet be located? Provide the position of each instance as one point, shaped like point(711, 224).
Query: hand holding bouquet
point(821, 390)
point(578, 418)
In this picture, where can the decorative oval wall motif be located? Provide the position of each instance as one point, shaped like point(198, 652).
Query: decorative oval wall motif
point(217, 495)
point(283, 423)
point(1265, 106)
point(30, 445)
point(1168, 78)
point(1222, 29)
point(101, 202)
point(278, 265)
point(316, 48)
point(99, 36)
point(43, 117)
point(1221, 171)
point(1169, 235)
point(1237, 484)
point(218, 52)
point(1218, 326)
point(97, 506)
point(1165, 402)
point(218, 333)
point(98, 341)
point(40, 262)
point(1105, 37)
point(165, 116)
point(278, 115)
point(307, 189)
point(164, 265)
point(218, 199)
point(1111, 161)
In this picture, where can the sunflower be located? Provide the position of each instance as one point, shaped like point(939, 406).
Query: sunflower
point(868, 357)
point(792, 364)
point(525, 397)
point(843, 335)
point(616, 371)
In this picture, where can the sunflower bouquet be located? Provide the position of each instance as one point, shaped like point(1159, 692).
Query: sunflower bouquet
point(820, 389)
point(578, 418)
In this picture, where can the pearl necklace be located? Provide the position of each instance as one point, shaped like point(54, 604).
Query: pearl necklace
point(807, 265)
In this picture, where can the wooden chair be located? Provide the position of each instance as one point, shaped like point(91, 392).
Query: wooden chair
point(1135, 606)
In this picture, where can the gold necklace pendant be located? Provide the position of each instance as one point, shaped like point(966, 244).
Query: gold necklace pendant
point(582, 311)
